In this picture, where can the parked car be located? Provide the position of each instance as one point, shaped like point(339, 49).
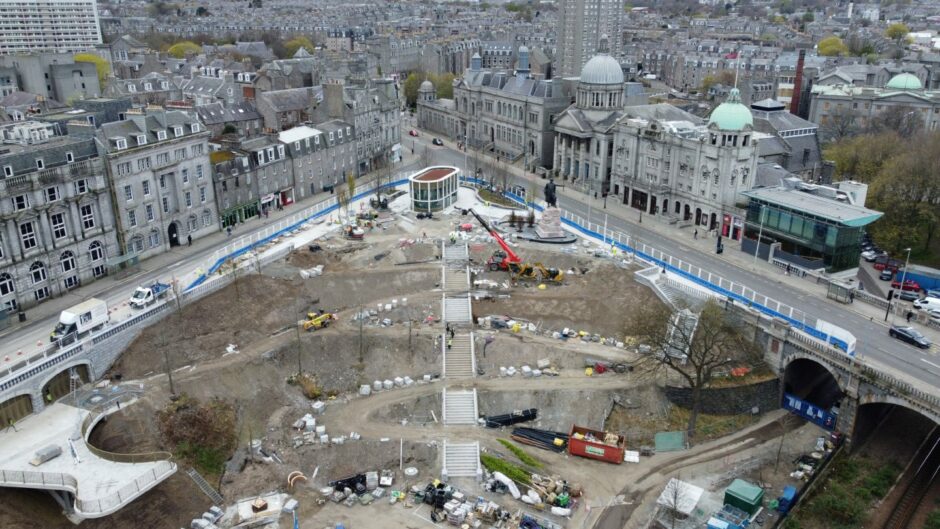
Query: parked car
point(871, 255)
point(934, 314)
point(886, 263)
point(928, 304)
point(909, 335)
point(908, 295)
point(886, 275)
point(932, 293)
point(909, 284)
point(437, 141)
point(413, 132)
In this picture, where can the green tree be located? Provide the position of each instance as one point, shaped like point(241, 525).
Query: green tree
point(897, 32)
point(294, 44)
point(181, 49)
point(102, 66)
point(412, 83)
point(831, 46)
point(808, 17)
point(444, 85)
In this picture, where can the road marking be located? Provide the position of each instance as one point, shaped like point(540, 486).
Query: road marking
point(929, 362)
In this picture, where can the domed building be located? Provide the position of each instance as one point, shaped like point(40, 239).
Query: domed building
point(902, 101)
point(584, 131)
point(732, 115)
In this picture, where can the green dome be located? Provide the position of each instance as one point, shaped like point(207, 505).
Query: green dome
point(732, 114)
point(904, 81)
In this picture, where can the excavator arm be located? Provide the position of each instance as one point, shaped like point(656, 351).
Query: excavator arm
point(511, 255)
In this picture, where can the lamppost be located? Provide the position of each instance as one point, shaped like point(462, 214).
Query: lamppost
point(760, 233)
point(903, 278)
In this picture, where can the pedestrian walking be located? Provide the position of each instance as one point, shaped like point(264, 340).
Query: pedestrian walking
point(452, 333)
point(450, 342)
point(189, 240)
point(788, 269)
point(851, 297)
point(909, 316)
point(695, 235)
point(228, 231)
point(12, 424)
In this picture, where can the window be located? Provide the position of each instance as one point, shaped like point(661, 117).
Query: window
point(88, 216)
point(349, 131)
point(71, 282)
point(163, 158)
point(20, 202)
point(202, 194)
point(163, 179)
point(37, 272)
point(41, 293)
point(188, 197)
point(67, 260)
point(137, 245)
point(6, 285)
point(142, 164)
point(1, 247)
point(121, 144)
point(194, 127)
point(296, 145)
point(198, 150)
point(192, 224)
point(154, 239)
point(141, 139)
point(28, 235)
point(125, 168)
point(199, 172)
point(271, 153)
point(40, 164)
point(166, 205)
point(57, 220)
point(128, 193)
point(7, 171)
point(149, 210)
point(206, 218)
point(146, 185)
point(96, 251)
point(339, 134)
point(280, 151)
point(132, 218)
point(331, 135)
point(185, 174)
point(179, 154)
point(52, 194)
point(161, 134)
point(69, 157)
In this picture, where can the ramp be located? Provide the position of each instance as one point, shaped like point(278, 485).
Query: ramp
point(460, 407)
point(461, 460)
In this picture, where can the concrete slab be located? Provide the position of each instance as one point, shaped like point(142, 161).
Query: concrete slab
point(99, 486)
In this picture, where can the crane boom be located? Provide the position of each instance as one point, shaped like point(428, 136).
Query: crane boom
point(510, 255)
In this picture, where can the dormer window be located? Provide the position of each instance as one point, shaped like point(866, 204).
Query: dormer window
point(177, 131)
point(161, 135)
point(260, 157)
point(7, 171)
point(349, 131)
point(141, 139)
point(280, 151)
point(164, 85)
point(331, 135)
point(69, 157)
point(40, 164)
point(194, 127)
point(148, 87)
point(340, 133)
point(131, 87)
point(121, 144)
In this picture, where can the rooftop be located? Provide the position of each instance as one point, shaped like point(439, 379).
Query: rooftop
point(434, 174)
point(822, 207)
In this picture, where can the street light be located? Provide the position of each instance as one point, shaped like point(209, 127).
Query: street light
point(760, 233)
point(903, 277)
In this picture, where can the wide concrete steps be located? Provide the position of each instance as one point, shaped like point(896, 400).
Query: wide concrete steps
point(459, 361)
point(456, 279)
point(461, 460)
point(456, 310)
point(460, 407)
point(456, 253)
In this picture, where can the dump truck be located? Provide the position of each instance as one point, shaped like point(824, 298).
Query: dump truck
point(147, 295)
point(74, 322)
point(594, 444)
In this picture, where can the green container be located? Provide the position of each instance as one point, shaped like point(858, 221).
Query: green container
point(745, 496)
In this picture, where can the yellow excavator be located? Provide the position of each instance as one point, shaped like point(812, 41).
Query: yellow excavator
point(552, 275)
point(318, 320)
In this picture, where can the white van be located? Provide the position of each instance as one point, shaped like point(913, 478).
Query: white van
point(927, 303)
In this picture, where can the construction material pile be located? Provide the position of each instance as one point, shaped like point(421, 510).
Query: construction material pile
point(544, 439)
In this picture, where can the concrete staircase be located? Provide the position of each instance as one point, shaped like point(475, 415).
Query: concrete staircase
point(460, 407)
point(459, 361)
point(461, 460)
point(456, 310)
point(205, 487)
point(455, 279)
point(455, 254)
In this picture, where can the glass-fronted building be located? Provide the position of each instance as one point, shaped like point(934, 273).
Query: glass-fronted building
point(434, 188)
point(813, 231)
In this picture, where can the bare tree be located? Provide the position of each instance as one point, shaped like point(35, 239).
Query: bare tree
point(904, 120)
point(696, 353)
point(343, 200)
point(841, 123)
point(674, 497)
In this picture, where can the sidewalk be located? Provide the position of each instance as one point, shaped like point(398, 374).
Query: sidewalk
point(202, 247)
point(703, 244)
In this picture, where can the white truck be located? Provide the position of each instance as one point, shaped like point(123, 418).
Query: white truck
point(89, 315)
point(146, 295)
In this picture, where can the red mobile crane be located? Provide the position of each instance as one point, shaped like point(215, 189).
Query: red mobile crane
point(505, 259)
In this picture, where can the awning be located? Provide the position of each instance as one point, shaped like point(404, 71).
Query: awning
point(267, 198)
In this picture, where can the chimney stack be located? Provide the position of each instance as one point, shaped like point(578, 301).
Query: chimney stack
point(797, 85)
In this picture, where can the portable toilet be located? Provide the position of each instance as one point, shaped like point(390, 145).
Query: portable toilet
point(745, 496)
point(787, 499)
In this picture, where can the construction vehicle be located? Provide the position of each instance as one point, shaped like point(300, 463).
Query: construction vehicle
point(506, 259)
point(147, 295)
point(318, 320)
point(552, 275)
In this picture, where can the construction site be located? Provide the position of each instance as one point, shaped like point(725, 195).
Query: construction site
point(411, 372)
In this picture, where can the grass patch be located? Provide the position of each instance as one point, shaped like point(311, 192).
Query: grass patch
point(933, 520)
point(513, 472)
point(200, 433)
point(496, 198)
point(709, 427)
point(520, 454)
point(845, 499)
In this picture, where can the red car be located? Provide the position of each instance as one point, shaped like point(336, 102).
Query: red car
point(909, 285)
point(886, 263)
point(413, 132)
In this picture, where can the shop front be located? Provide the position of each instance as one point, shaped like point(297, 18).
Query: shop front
point(240, 213)
point(732, 227)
